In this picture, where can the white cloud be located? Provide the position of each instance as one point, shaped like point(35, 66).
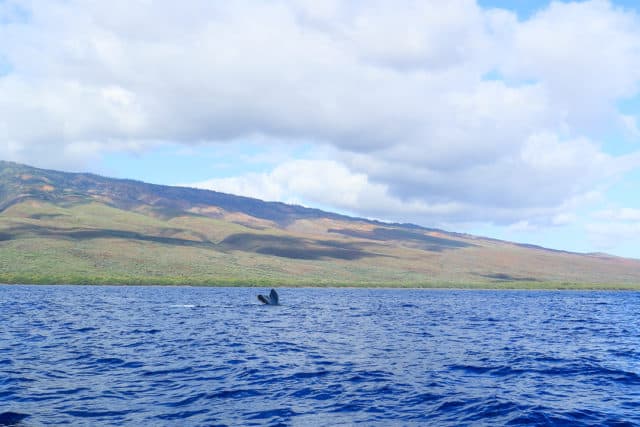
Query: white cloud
point(541, 179)
point(587, 54)
point(610, 235)
point(614, 227)
point(630, 126)
point(562, 219)
point(432, 35)
point(396, 89)
point(620, 214)
point(522, 226)
point(327, 183)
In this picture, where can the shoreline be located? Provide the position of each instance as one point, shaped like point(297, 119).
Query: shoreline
point(506, 286)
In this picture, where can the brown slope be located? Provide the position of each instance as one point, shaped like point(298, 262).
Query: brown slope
point(289, 243)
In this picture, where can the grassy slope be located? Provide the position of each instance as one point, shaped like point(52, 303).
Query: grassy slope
point(57, 227)
point(97, 244)
point(193, 253)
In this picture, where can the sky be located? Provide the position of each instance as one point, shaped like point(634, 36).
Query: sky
point(517, 120)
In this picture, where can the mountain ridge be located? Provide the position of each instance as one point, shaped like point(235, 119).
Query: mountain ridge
point(308, 211)
point(219, 238)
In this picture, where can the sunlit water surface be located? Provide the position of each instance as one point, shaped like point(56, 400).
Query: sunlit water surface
point(216, 356)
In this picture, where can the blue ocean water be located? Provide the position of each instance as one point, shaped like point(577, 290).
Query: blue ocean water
point(215, 356)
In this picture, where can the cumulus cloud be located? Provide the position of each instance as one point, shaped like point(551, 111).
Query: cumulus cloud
point(434, 110)
point(543, 176)
point(620, 214)
point(587, 54)
point(609, 228)
point(610, 235)
point(327, 183)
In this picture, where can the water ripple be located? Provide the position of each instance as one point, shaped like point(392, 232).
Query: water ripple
point(212, 356)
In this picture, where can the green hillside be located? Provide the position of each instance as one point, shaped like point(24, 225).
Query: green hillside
point(58, 227)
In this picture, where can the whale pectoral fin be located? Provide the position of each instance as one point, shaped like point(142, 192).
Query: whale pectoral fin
point(263, 299)
point(273, 296)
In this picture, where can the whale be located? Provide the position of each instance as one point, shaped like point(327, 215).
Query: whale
point(271, 299)
point(11, 418)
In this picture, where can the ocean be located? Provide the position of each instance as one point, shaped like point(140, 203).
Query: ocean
point(195, 356)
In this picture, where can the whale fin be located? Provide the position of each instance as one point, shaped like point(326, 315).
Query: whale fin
point(273, 297)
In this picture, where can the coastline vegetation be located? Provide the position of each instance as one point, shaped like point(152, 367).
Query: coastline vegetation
point(123, 280)
point(38, 260)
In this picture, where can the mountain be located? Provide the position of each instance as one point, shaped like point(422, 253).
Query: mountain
point(58, 227)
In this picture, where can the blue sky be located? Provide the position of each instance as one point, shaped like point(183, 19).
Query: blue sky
point(516, 120)
point(525, 8)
